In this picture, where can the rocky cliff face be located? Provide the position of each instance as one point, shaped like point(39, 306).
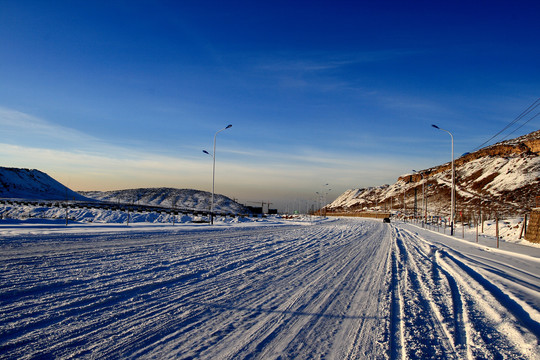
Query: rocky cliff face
point(524, 146)
point(503, 178)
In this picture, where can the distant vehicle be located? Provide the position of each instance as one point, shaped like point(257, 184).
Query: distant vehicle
point(386, 220)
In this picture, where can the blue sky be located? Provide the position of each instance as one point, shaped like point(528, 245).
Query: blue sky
point(119, 94)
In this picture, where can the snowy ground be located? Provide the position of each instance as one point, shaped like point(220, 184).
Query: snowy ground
point(334, 289)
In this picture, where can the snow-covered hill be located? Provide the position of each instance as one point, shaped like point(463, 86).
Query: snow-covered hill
point(26, 184)
point(503, 178)
point(33, 184)
point(170, 198)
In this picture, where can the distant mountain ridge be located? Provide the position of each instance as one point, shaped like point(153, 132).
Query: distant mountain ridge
point(503, 178)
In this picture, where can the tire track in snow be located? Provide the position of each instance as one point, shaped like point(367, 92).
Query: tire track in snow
point(373, 284)
point(460, 319)
point(214, 304)
point(108, 295)
point(306, 304)
point(284, 311)
point(222, 320)
point(491, 310)
point(447, 301)
point(489, 322)
point(350, 283)
point(395, 337)
point(425, 331)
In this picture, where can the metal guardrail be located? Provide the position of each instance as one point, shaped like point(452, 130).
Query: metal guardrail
point(367, 214)
point(103, 205)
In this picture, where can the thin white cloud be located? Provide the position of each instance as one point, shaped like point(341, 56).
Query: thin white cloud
point(97, 170)
point(30, 132)
point(16, 122)
point(317, 62)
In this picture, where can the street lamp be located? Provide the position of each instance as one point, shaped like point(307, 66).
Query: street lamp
point(424, 203)
point(213, 155)
point(453, 200)
point(319, 202)
point(323, 197)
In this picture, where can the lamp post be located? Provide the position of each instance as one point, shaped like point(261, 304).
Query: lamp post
point(452, 195)
point(424, 203)
point(214, 173)
point(323, 198)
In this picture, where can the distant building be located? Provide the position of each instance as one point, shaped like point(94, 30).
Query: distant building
point(255, 210)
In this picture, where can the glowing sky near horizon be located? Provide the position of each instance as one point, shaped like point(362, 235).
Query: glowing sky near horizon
point(107, 95)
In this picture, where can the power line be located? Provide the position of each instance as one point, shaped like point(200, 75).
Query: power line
point(533, 106)
point(506, 137)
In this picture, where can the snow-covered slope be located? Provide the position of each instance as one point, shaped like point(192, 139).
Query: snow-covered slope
point(169, 197)
point(18, 183)
point(503, 178)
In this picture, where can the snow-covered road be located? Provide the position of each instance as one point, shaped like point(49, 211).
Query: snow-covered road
point(340, 289)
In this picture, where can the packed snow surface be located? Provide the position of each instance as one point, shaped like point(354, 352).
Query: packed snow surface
point(269, 289)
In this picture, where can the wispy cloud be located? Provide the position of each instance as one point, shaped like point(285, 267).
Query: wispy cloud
point(29, 131)
point(28, 141)
point(320, 62)
point(324, 72)
point(106, 171)
point(19, 127)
